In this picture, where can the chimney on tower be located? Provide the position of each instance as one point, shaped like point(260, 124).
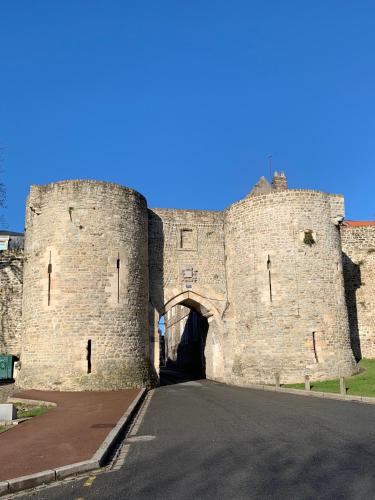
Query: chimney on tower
point(279, 182)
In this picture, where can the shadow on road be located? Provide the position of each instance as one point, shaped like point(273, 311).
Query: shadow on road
point(170, 376)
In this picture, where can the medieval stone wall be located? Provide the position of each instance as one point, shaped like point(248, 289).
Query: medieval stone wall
point(358, 245)
point(267, 274)
point(187, 266)
point(186, 252)
point(85, 288)
point(11, 280)
point(285, 288)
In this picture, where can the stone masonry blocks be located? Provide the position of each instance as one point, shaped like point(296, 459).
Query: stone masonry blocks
point(286, 292)
point(86, 288)
point(268, 273)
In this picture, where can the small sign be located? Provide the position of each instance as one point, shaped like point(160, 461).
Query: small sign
point(187, 273)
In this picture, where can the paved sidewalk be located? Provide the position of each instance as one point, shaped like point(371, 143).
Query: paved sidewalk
point(68, 433)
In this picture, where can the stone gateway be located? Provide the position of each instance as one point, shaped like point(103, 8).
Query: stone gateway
point(268, 275)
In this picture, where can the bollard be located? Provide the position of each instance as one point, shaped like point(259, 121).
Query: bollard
point(277, 380)
point(307, 383)
point(342, 386)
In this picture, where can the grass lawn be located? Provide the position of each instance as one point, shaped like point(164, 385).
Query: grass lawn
point(24, 411)
point(362, 384)
point(32, 411)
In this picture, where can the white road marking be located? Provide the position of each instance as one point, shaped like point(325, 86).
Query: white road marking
point(138, 420)
point(136, 439)
point(119, 460)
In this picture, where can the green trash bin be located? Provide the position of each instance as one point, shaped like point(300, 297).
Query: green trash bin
point(6, 367)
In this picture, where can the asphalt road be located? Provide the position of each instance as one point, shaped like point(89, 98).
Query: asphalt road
point(203, 440)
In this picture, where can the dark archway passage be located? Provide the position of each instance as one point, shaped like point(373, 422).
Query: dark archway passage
point(185, 333)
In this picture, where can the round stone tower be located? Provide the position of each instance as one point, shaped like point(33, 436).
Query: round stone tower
point(85, 288)
point(285, 288)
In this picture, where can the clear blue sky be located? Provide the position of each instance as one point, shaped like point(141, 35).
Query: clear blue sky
point(183, 101)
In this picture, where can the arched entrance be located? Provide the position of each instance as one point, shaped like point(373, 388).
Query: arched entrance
point(187, 330)
point(194, 301)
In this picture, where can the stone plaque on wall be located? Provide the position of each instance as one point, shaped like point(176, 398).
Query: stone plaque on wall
point(189, 276)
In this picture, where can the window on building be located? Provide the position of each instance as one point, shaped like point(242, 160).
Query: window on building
point(187, 239)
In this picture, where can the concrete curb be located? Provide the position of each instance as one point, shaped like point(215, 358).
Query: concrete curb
point(31, 402)
point(4, 487)
point(97, 461)
point(15, 421)
point(349, 398)
point(26, 482)
point(105, 448)
point(77, 468)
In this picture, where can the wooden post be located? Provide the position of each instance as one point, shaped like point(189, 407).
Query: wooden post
point(307, 383)
point(277, 380)
point(342, 386)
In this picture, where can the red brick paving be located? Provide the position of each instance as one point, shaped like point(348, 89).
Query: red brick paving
point(69, 433)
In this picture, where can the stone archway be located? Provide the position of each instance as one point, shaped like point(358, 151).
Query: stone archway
point(194, 301)
point(212, 353)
